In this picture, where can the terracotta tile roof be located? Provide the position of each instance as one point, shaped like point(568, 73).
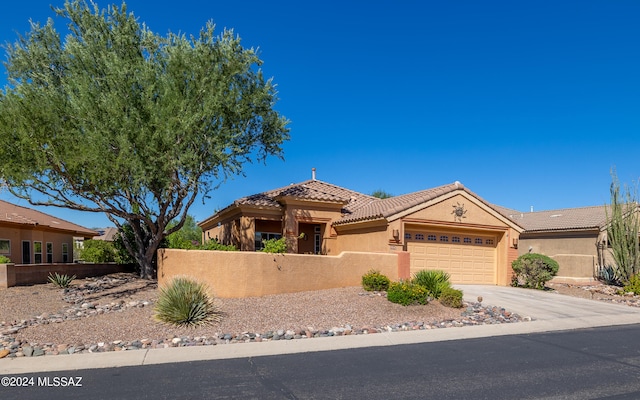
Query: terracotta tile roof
point(556, 220)
point(313, 190)
point(384, 208)
point(14, 214)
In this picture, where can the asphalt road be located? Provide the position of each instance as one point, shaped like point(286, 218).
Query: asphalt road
point(596, 363)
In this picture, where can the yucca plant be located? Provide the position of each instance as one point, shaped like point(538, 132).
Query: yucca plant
point(434, 281)
point(62, 281)
point(186, 303)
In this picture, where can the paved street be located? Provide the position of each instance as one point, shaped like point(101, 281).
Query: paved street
point(582, 364)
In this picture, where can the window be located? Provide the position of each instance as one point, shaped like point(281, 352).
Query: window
point(444, 238)
point(407, 236)
point(455, 239)
point(419, 236)
point(262, 236)
point(431, 238)
point(488, 241)
point(5, 247)
point(65, 252)
point(49, 252)
point(467, 240)
point(478, 241)
point(37, 252)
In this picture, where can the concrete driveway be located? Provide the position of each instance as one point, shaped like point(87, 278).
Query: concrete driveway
point(552, 309)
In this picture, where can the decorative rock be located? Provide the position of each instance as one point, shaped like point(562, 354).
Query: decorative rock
point(27, 351)
point(4, 353)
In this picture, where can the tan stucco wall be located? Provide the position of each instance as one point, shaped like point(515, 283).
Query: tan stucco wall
point(576, 254)
point(247, 274)
point(17, 275)
point(374, 238)
point(442, 211)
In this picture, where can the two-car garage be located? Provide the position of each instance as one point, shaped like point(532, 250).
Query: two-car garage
point(469, 257)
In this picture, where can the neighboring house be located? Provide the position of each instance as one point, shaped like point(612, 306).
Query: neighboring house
point(31, 237)
point(448, 227)
point(106, 234)
point(575, 237)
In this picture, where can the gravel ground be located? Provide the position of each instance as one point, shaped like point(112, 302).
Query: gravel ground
point(313, 310)
point(115, 312)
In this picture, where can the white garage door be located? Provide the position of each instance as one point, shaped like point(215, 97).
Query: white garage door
point(467, 258)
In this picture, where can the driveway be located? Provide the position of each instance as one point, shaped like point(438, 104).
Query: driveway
point(552, 309)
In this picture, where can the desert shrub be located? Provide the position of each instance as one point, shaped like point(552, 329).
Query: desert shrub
point(533, 270)
point(434, 281)
point(62, 281)
point(633, 286)
point(5, 260)
point(97, 251)
point(407, 293)
point(609, 275)
point(215, 245)
point(274, 245)
point(185, 302)
point(451, 297)
point(374, 280)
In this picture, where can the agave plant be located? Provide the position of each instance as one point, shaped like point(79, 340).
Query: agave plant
point(62, 281)
point(186, 303)
point(609, 275)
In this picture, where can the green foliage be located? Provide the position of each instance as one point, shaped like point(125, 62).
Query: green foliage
point(374, 280)
point(451, 297)
point(62, 281)
point(381, 194)
point(5, 260)
point(215, 245)
point(407, 293)
point(274, 245)
point(185, 302)
point(609, 275)
point(633, 286)
point(114, 118)
point(187, 237)
point(623, 229)
point(533, 270)
point(434, 281)
point(123, 255)
point(97, 251)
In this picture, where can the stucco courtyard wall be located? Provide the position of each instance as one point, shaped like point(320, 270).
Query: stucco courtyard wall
point(576, 254)
point(237, 274)
point(32, 274)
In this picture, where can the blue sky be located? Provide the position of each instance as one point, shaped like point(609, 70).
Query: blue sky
point(527, 103)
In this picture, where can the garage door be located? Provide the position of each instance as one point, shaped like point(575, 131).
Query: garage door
point(467, 258)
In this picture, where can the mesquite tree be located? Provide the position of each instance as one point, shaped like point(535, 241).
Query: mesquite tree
point(114, 118)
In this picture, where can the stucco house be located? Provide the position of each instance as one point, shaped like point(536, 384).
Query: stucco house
point(28, 236)
point(447, 227)
point(575, 237)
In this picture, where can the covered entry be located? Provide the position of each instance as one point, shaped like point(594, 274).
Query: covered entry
point(467, 257)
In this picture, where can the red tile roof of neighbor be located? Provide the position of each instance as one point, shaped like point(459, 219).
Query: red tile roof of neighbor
point(14, 214)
